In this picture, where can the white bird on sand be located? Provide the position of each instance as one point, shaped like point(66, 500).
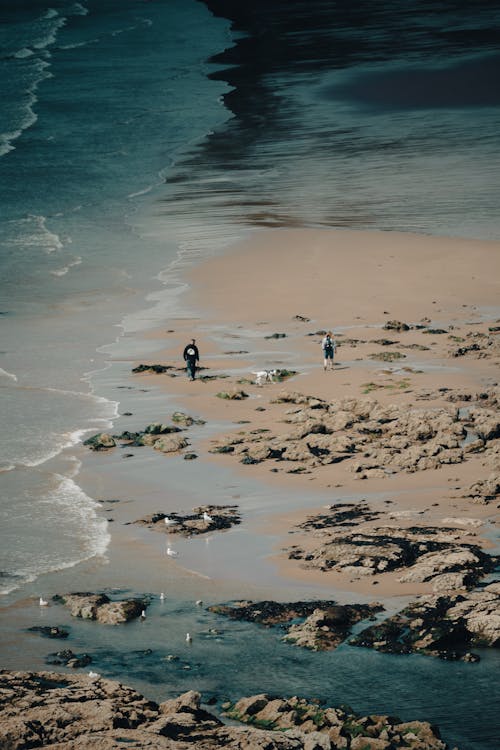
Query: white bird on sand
point(43, 602)
point(170, 521)
point(171, 552)
point(94, 675)
point(207, 518)
point(188, 638)
point(162, 596)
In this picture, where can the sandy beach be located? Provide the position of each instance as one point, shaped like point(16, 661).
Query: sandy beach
point(298, 283)
point(250, 310)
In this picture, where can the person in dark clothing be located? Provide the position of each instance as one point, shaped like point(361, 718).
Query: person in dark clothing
point(191, 357)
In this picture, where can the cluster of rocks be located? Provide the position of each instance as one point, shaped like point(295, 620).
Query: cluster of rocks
point(203, 519)
point(67, 658)
point(324, 624)
point(483, 345)
point(486, 490)
point(161, 437)
point(334, 728)
point(47, 709)
point(423, 553)
point(443, 626)
point(100, 607)
point(377, 439)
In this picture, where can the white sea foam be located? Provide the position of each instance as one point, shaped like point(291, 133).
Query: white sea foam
point(64, 270)
point(33, 232)
point(87, 534)
point(77, 9)
point(53, 22)
point(23, 52)
point(79, 44)
point(5, 374)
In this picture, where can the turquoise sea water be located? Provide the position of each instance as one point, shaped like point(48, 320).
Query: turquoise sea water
point(137, 137)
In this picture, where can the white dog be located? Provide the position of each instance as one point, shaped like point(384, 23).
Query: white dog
point(264, 376)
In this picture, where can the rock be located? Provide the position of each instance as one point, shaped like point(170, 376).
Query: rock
point(396, 325)
point(73, 712)
point(49, 631)
point(234, 395)
point(84, 605)
point(157, 428)
point(443, 626)
point(325, 624)
point(99, 607)
point(220, 517)
point(101, 441)
point(170, 445)
point(69, 659)
point(114, 613)
point(158, 369)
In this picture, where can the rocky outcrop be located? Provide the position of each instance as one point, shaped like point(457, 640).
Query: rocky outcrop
point(66, 712)
point(485, 490)
point(376, 440)
point(204, 519)
point(325, 624)
point(330, 728)
point(443, 626)
point(158, 435)
point(422, 553)
point(99, 607)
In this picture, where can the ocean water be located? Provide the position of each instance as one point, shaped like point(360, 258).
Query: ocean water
point(97, 102)
point(139, 137)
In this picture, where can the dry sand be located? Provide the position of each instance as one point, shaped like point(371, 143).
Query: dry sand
point(352, 283)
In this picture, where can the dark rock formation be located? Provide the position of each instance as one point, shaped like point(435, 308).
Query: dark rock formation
point(50, 631)
point(421, 553)
point(68, 659)
point(324, 624)
point(158, 369)
point(443, 626)
point(204, 519)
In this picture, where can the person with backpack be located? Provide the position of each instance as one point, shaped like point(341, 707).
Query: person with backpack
point(191, 357)
point(329, 347)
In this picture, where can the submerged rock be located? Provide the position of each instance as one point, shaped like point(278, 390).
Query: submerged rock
point(325, 624)
point(443, 626)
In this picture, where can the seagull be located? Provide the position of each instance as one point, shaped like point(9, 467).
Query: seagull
point(43, 602)
point(170, 521)
point(143, 614)
point(171, 552)
point(162, 596)
point(188, 638)
point(207, 518)
point(199, 603)
point(94, 675)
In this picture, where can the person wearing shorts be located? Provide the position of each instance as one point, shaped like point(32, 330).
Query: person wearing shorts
point(329, 346)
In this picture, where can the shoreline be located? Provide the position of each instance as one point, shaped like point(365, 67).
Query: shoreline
point(248, 561)
point(262, 301)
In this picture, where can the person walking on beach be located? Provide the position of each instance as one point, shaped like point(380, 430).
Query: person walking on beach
point(191, 357)
point(329, 347)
